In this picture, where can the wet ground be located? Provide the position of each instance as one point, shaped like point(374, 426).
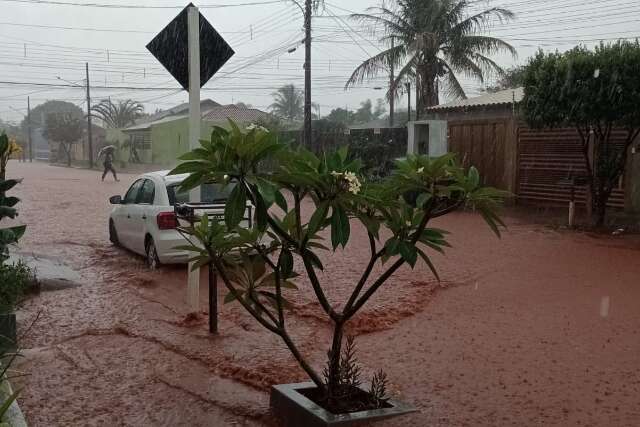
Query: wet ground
point(539, 328)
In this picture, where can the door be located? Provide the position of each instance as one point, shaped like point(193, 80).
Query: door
point(140, 213)
point(123, 217)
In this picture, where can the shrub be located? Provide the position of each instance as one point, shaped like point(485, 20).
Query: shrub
point(257, 265)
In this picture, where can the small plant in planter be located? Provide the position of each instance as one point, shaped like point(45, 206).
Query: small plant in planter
point(257, 265)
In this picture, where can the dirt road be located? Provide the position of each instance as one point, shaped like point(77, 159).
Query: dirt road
point(539, 328)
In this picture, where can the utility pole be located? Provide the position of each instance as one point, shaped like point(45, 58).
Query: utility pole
point(89, 135)
point(392, 97)
point(409, 100)
point(307, 74)
point(29, 129)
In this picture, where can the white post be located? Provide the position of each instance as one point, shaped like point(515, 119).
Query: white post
point(193, 19)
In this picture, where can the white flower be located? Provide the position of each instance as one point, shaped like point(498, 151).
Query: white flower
point(421, 170)
point(226, 178)
point(263, 129)
point(251, 127)
point(351, 179)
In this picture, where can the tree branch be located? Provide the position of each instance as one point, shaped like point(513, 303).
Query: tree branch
point(365, 275)
point(394, 267)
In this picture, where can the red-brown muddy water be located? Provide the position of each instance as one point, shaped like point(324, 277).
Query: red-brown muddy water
point(539, 328)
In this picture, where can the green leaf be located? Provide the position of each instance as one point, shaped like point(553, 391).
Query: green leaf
point(200, 262)
point(422, 199)
point(267, 190)
point(281, 201)
point(230, 297)
point(7, 403)
point(315, 261)
point(474, 177)
point(409, 253)
point(192, 181)
point(427, 261)
point(188, 167)
point(8, 184)
point(318, 217)
point(9, 201)
point(236, 206)
point(343, 152)
point(340, 227)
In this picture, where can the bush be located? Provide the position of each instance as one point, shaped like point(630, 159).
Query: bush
point(15, 281)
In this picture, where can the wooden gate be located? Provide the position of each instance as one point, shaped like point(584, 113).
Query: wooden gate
point(548, 160)
point(487, 145)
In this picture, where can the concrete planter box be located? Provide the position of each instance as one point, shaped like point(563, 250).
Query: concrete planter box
point(295, 410)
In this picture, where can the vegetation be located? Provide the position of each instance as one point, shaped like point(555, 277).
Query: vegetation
point(117, 115)
point(40, 113)
point(259, 266)
point(429, 42)
point(66, 130)
point(596, 92)
point(288, 103)
point(11, 235)
point(510, 79)
point(15, 280)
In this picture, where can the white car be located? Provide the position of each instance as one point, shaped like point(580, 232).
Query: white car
point(144, 220)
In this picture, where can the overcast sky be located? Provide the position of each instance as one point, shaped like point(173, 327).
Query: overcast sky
point(261, 32)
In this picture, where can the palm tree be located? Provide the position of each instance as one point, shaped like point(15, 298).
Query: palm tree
point(429, 42)
point(119, 115)
point(288, 103)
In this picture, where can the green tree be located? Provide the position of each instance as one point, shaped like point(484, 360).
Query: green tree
point(117, 115)
point(510, 79)
point(288, 103)
point(381, 108)
point(40, 113)
point(429, 42)
point(66, 130)
point(341, 116)
point(364, 114)
point(595, 92)
point(259, 266)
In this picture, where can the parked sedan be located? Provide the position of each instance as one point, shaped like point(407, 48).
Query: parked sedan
point(144, 220)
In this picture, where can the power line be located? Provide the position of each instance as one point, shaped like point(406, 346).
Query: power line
point(134, 6)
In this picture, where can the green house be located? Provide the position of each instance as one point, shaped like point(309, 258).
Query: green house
point(161, 141)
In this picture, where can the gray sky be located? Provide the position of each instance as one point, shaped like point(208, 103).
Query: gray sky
point(260, 34)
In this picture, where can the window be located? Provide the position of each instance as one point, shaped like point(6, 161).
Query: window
point(132, 194)
point(141, 140)
point(209, 193)
point(147, 193)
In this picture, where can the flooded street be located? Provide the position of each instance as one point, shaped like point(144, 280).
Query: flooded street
point(539, 328)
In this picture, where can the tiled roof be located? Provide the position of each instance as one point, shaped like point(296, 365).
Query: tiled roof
point(235, 113)
point(496, 98)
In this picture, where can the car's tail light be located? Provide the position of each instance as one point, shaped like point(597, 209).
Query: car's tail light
point(167, 220)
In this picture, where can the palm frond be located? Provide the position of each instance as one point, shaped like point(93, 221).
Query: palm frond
point(377, 63)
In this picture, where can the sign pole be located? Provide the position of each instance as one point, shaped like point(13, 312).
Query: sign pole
point(193, 24)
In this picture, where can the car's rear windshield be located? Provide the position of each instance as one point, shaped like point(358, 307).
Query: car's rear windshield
point(209, 193)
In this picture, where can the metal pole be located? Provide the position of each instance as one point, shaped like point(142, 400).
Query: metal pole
point(193, 23)
point(213, 299)
point(409, 100)
point(29, 129)
point(392, 97)
point(89, 130)
point(307, 75)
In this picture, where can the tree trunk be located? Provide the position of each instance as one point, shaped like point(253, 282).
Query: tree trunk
point(428, 95)
point(334, 359)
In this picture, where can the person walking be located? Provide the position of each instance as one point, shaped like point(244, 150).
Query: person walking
point(107, 152)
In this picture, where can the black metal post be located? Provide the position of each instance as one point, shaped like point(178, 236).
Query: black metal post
point(213, 299)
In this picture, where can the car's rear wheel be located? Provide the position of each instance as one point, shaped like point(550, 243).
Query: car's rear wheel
point(153, 262)
point(113, 234)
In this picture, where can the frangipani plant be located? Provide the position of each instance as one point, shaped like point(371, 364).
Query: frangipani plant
point(259, 266)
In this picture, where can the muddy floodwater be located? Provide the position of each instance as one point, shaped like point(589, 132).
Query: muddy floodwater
point(539, 328)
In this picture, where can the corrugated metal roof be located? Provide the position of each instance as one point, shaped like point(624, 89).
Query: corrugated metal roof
point(147, 125)
point(496, 98)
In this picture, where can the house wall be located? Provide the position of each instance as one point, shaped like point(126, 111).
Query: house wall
point(118, 138)
point(171, 139)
